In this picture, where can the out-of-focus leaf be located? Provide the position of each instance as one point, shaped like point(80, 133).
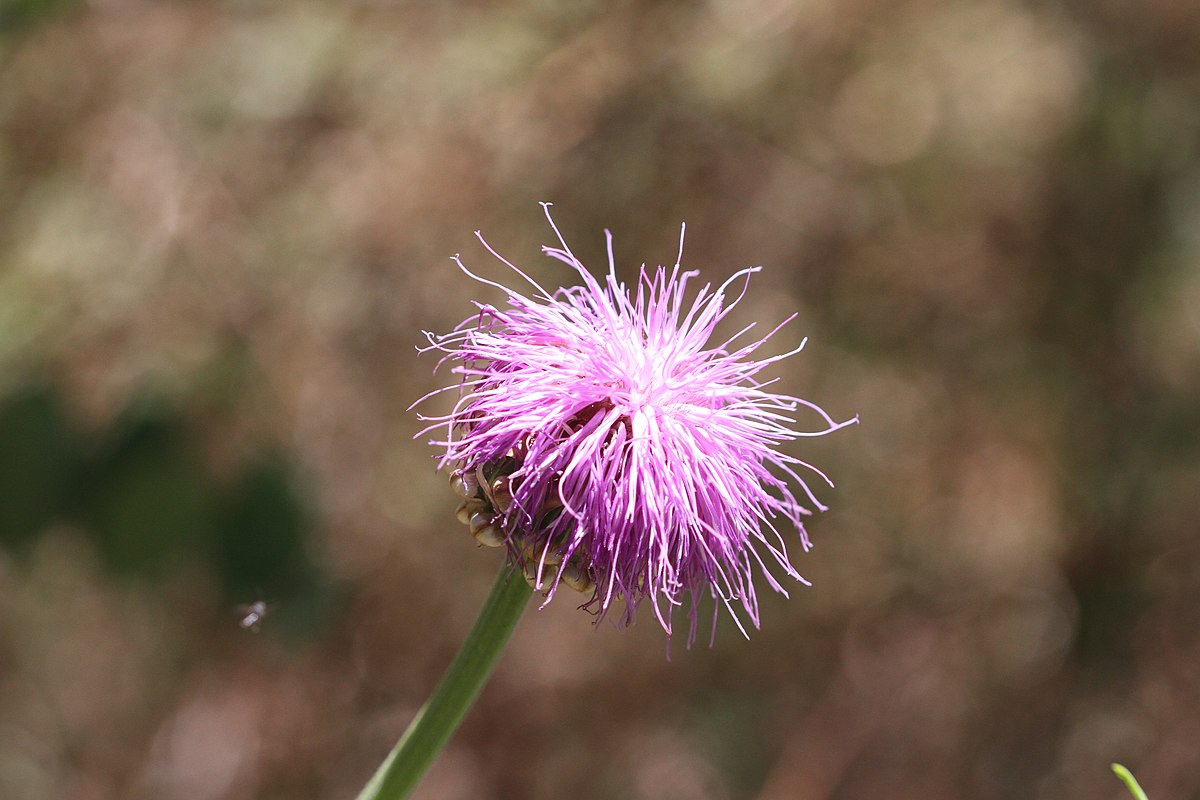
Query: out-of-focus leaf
point(146, 500)
point(36, 461)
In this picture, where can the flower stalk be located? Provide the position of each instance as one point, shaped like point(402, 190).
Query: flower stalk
point(437, 720)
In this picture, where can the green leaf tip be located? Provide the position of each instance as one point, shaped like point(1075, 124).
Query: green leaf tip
point(1130, 781)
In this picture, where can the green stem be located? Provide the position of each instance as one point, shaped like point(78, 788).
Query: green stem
point(1130, 782)
point(436, 721)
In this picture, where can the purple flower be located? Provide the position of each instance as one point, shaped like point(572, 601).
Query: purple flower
point(605, 441)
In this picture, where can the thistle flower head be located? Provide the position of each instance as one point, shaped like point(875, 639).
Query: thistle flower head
point(611, 444)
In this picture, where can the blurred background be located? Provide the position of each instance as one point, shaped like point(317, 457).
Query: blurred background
point(224, 225)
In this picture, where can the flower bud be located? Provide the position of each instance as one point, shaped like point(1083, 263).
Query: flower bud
point(469, 508)
point(501, 494)
point(578, 578)
point(541, 554)
point(530, 570)
point(488, 536)
point(464, 484)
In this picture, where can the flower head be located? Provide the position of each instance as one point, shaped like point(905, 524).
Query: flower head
point(606, 440)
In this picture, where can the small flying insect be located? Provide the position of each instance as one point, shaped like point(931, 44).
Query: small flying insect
point(252, 615)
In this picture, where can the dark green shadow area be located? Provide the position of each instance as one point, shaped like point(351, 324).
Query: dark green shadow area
point(140, 493)
point(38, 460)
point(260, 550)
point(144, 497)
point(17, 15)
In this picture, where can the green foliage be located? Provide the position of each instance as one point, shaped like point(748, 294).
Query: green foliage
point(145, 499)
point(18, 13)
point(141, 494)
point(259, 543)
point(39, 458)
